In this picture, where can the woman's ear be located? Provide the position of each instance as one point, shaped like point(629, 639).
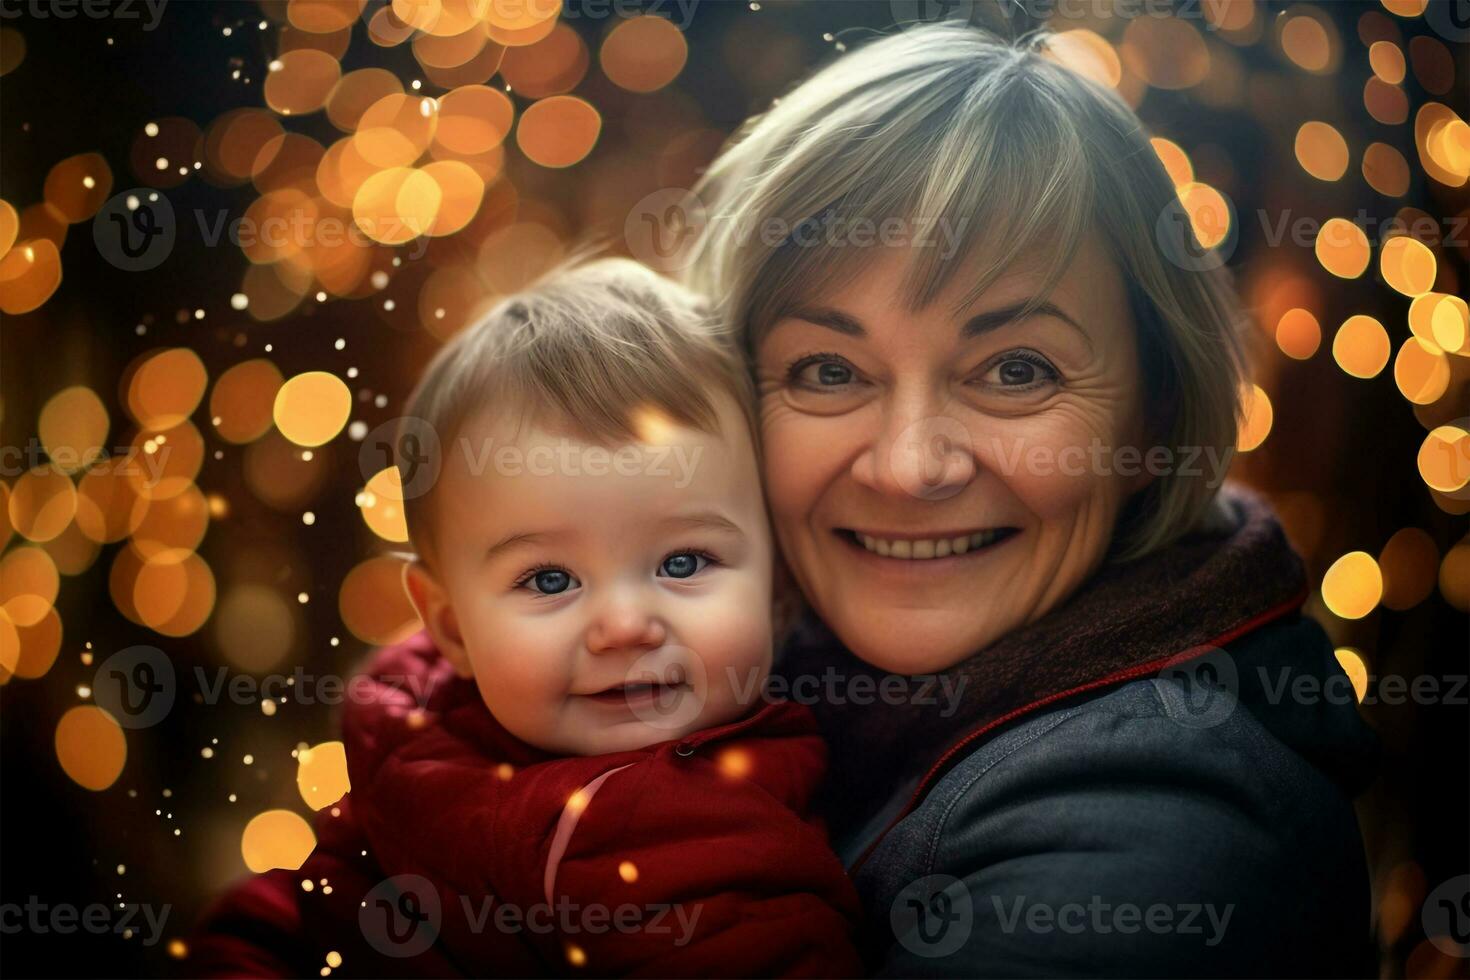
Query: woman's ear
point(432, 602)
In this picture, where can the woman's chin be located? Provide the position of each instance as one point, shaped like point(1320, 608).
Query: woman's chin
point(907, 642)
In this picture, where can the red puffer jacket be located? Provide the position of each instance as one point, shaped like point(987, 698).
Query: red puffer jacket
point(462, 851)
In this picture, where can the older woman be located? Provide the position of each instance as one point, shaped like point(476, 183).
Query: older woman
point(1065, 676)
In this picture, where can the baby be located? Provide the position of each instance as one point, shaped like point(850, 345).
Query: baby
point(572, 769)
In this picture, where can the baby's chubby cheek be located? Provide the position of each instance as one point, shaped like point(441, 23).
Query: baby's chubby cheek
point(733, 651)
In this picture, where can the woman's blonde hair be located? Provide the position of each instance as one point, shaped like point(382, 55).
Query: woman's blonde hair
point(997, 148)
point(600, 347)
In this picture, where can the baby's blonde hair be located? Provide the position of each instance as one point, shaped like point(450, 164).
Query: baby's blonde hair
point(595, 347)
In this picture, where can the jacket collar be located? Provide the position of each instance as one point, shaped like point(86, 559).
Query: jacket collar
point(1234, 573)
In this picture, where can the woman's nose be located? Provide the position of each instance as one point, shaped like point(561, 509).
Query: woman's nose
point(624, 623)
point(918, 453)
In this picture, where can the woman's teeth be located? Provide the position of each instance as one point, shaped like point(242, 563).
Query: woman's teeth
point(915, 548)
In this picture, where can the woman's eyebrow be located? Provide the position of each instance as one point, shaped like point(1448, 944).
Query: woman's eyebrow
point(982, 323)
point(832, 319)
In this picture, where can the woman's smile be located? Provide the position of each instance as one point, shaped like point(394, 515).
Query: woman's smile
point(927, 548)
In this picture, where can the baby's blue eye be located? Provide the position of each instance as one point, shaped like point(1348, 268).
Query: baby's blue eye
point(552, 581)
point(682, 565)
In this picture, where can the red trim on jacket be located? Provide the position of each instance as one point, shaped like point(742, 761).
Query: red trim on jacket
point(1127, 674)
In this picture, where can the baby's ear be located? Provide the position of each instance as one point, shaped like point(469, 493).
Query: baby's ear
point(432, 602)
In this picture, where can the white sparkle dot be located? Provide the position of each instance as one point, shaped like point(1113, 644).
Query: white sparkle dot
point(340, 344)
point(151, 129)
point(239, 301)
point(357, 431)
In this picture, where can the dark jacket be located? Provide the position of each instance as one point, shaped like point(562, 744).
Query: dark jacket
point(1153, 780)
point(695, 857)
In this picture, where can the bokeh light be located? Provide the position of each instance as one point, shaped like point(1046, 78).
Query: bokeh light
point(1353, 585)
point(276, 839)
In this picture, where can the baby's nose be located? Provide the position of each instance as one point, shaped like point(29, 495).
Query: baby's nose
point(624, 626)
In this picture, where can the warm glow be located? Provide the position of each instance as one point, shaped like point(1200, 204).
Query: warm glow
point(91, 747)
point(1407, 265)
point(311, 408)
point(558, 131)
point(1175, 160)
point(381, 504)
point(1387, 60)
point(1256, 424)
point(1307, 42)
point(242, 400)
point(1298, 334)
point(321, 774)
point(643, 54)
point(1321, 150)
point(373, 603)
point(276, 839)
point(1209, 214)
point(1421, 371)
point(1353, 585)
point(1352, 664)
point(1444, 458)
point(1342, 248)
point(1361, 346)
point(73, 428)
point(1386, 170)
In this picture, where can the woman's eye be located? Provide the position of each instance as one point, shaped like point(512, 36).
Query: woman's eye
point(551, 581)
point(682, 565)
point(1020, 372)
point(1017, 373)
point(821, 373)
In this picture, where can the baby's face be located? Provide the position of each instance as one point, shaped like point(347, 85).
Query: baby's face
point(605, 598)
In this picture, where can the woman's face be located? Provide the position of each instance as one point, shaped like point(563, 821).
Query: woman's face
point(938, 480)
